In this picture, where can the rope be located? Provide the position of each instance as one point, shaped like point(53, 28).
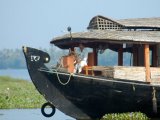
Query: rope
point(67, 80)
point(60, 81)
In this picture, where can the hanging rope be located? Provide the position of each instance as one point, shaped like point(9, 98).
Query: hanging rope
point(56, 70)
point(64, 83)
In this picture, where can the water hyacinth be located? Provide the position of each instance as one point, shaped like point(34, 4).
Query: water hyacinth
point(18, 94)
point(126, 116)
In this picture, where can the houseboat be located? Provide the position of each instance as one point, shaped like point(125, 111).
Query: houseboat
point(99, 89)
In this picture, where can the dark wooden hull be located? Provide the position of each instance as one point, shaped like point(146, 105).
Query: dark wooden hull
point(90, 97)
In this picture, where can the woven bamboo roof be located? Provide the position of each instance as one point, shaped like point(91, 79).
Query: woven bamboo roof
point(107, 36)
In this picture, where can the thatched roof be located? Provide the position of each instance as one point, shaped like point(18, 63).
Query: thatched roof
point(141, 22)
point(101, 22)
point(105, 30)
point(107, 36)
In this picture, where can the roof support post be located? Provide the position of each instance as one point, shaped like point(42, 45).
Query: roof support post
point(120, 56)
point(135, 56)
point(72, 48)
point(95, 56)
point(147, 62)
point(155, 56)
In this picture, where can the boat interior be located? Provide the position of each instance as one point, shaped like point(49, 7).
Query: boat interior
point(142, 55)
point(139, 37)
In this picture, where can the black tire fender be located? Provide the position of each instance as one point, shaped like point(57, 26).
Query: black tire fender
point(43, 109)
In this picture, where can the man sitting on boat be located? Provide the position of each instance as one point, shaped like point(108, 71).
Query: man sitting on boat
point(81, 60)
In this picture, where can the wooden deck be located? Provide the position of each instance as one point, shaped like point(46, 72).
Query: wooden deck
point(129, 73)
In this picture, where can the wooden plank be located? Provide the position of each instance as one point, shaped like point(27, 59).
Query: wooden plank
point(129, 73)
point(155, 75)
point(124, 72)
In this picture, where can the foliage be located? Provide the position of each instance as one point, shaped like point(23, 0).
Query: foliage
point(18, 94)
point(126, 116)
point(14, 59)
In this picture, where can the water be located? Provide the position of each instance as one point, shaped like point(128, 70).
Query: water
point(30, 114)
point(16, 73)
point(26, 114)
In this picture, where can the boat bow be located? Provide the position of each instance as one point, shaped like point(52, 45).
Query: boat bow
point(36, 60)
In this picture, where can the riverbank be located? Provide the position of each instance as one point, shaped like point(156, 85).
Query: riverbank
point(17, 93)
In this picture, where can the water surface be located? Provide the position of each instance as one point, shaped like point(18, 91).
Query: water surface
point(30, 114)
point(15, 73)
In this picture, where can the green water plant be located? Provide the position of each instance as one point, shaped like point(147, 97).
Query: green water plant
point(126, 116)
point(16, 93)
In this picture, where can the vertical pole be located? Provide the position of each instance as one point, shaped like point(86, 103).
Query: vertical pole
point(72, 48)
point(95, 56)
point(158, 55)
point(120, 56)
point(135, 56)
point(147, 62)
point(155, 56)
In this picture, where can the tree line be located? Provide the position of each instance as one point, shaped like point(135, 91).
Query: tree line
point(10, 58)
point(14, 58)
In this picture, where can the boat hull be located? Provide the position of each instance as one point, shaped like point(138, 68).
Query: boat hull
point(89, 97)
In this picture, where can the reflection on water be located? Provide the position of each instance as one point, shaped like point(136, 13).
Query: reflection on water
point(30, 114)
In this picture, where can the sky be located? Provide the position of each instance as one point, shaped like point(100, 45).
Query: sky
point(35, 23)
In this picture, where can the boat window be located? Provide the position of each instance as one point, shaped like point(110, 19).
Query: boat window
point(108, 58)
point(127, 59)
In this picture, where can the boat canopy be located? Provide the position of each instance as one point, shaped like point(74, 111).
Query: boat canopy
point(102, 30)
point(140, 37)
point(101, 22)
point(93, 37)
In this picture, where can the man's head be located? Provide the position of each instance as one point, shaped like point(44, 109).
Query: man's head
point(81, 46)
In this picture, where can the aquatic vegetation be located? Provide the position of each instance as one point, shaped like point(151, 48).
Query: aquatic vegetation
point(18, 94)
point(126, 116)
